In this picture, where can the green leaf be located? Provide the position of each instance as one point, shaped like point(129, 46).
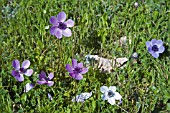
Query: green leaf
point(93, 105)
point(155, 15)
point(168, 106)
point(24, 97)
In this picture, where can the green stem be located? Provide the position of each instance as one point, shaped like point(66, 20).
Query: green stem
point(76, 87)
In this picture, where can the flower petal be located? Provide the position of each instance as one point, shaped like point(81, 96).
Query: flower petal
point(28, 72)
point(159, 43)
point(16, 64)
point(117, 96)
point(67, 32)
point(86, 95)
point(69, 68)
point(78, 77)
point(25, 64)
point(69, 23)
point(84, 70)
point(41, 82)
point(112, 88)
point(121, 61)
point(104, 96)
point(47, 27)
point(28, 87)
point(53, 20)
point(82, 97)
point(148, 44)
point(42, 75)
point(150, 50)
point(50, 97)
point(77, 99)
point(80, 65)
point(50, 83)
point(15, 73)
point(20, 78)
point(51, 76)
point(54, 30)
point(155, 54)
point(72, 75)
point(120, 101)
point(58, 34)
point(61, 17)
point(161, 49)
point(104, 89)
point(74, 63)
point(111, 100)
point(153, 42)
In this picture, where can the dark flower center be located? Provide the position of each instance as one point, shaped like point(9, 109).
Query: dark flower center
point(77, 70)
point(22, 70)
point(155, 48)
point(46, 80)
point(62, 26)
point(111, 94)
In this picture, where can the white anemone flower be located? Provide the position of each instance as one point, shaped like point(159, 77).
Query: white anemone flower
point(82, 97)
point(28, 87)
point(110, 94)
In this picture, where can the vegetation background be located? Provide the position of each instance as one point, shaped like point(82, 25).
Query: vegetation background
point(144, 85)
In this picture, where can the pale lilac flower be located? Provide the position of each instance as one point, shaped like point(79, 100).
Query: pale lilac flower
point(47, 27)
point(50, 97)
point(135, 55)
point(76, 70)
point(136, 4)
point(60, 26)
point(155, 47)
point(28, 87)
point(90, 59)
point(43, 79)
point(82, 97)
point(19, 71)
point(120, 101)
point(110, 94)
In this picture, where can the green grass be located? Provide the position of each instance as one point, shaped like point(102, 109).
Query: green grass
point(144, 85)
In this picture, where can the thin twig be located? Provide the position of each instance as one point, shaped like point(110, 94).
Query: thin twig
point(48, 47)
point(122, 108)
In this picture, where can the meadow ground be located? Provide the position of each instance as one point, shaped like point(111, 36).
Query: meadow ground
point(143, 83)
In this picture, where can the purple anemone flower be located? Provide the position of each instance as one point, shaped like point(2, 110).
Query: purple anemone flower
point(60, 26)
point(19, 71)
point(76, 70)
point(155, 47)
point(43, 79)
